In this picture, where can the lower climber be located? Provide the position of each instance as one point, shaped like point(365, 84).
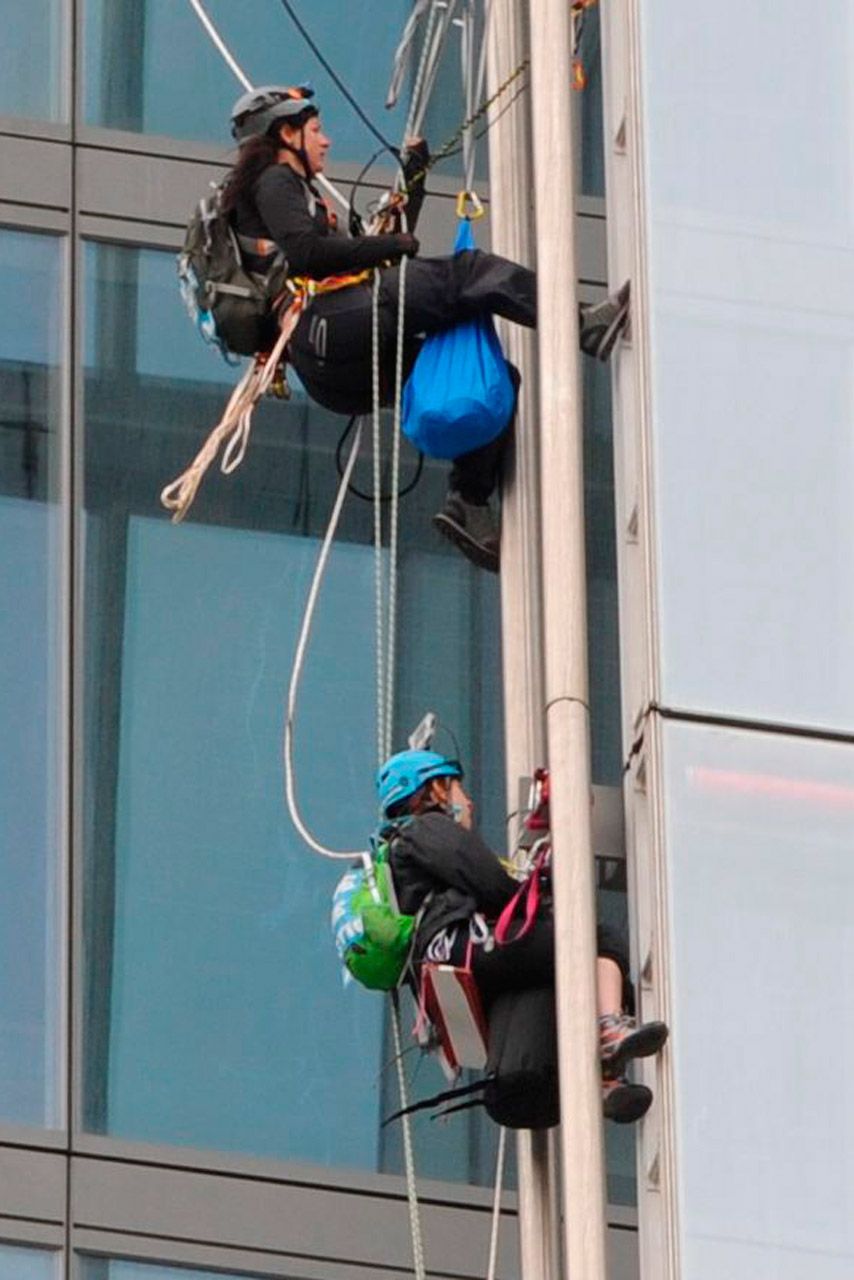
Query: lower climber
point(273, 201)
point(444, 870)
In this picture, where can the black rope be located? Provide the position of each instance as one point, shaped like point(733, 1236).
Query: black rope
point(338, 81)
point(359, 493)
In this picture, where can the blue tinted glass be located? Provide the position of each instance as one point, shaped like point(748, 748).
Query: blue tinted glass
point(150, 67)
point(31, 77)
point(589, 103)
point(215, 1012)
point(121, 1269)
point(30, 272)
point(27, 1264)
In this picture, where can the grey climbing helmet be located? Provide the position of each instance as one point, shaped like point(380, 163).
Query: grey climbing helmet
point(254, 112)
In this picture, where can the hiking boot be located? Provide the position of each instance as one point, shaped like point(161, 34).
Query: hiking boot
point(624, 1102)
point(471, 527)
point(621, 1039)
point(601, 323)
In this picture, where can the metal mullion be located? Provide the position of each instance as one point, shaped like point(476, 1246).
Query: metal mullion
point(74, 19)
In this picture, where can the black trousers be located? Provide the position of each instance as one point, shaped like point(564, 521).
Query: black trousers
point(332, 348)
point(529, 962)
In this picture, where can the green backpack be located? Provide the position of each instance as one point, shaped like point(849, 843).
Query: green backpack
point(372, 936)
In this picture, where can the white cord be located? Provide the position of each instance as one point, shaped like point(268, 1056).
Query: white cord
point(394, 514)
point(299, 657)
point(379, 594)
point(408, 1157)
point(235, 67)
point(496, 1204)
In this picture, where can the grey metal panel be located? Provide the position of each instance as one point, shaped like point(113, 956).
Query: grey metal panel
point(294, 1172)
point(591, 248)
point(276, 1217)
point(33, 1184)
point(609, 835)
point(622, 1244)
point(254, 1262)
point(19, 1231)
point(33, 171)
point(140, 187)
point(28, 217)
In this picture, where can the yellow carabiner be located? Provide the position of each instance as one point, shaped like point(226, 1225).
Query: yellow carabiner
point(469, 197)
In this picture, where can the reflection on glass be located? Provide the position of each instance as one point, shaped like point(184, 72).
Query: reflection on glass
point(30, 272)
point(151, 68)
point(28, 1264)
point(749, 180)
point(31, 56)
point(761, 881)
point(215, 1012)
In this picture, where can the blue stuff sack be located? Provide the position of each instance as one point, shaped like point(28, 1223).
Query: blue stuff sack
point(459, 395)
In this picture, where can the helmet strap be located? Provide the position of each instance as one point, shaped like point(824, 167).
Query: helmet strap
point(299, 152)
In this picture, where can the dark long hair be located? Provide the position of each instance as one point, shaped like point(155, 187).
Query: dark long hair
point(256, 155)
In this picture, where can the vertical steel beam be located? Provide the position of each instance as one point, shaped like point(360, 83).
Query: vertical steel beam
point(512, 227)
point(565, 642)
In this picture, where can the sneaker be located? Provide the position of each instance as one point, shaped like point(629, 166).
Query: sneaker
point(621, 1039)
point(601, 323)
point(624, 1102)
point(471, 527)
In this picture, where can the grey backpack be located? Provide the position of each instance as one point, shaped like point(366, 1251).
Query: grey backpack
point(231, 306)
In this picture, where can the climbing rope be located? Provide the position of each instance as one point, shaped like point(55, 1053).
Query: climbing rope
point(496, 1204)
point(232, 430)
point(408, 1154)
point(240, 74)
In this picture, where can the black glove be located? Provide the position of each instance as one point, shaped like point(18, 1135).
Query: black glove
point(408, 245)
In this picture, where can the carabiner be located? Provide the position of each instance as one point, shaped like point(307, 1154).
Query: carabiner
point(463, 199)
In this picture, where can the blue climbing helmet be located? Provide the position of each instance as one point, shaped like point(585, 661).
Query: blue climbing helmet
point(407, 772)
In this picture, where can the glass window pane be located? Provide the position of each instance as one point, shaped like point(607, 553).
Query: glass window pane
point(151, 68)
point(123, 1269)
point(215, 1012)
point(31, 270)
point(749, 180)
point(17, 1263)
point(761, 879)
point(32, 79)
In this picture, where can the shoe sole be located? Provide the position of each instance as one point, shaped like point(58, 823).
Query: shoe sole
point(627, 1104)
point(472, 550)
point(601, 347)
point(642, 1043)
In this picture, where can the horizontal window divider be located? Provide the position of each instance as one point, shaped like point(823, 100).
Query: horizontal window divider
point(38, 130)
point(22, 215)
point(256, 1169)
point(47, 1233)
point(750, 725)
point(32, 1139)
point(171, 1250)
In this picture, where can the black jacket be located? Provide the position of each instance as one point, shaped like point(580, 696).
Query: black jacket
point(432, 854)
point(289, 210)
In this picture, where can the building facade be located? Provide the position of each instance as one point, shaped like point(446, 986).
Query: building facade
point(184, 1081)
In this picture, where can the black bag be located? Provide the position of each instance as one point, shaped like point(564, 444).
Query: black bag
point(231, 307)
point(520, 1085)
point(521, 1090)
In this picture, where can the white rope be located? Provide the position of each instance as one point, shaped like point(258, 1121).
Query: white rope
point(299, 657)
point(408, 1157)
point(496, 1204)
point(434, 44)
point(235, 67)
point(395, 510)
point(379, 593)
point(234, 426)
